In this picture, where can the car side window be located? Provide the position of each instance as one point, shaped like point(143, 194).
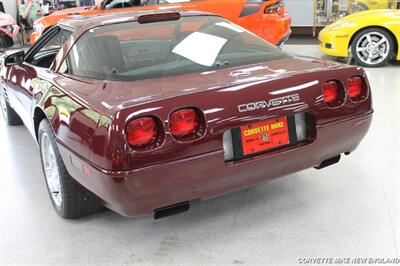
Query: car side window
point(64, 67)
point(56, 41)
point(44, 53)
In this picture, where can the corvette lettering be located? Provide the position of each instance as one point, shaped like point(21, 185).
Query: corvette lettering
point(268, 104)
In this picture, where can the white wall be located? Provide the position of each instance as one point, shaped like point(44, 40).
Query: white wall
point(10, 7)
point(301, 12)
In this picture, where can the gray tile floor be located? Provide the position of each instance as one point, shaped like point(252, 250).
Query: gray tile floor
point(351, 209)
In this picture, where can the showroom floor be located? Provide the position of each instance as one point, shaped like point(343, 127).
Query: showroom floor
point(348, 210)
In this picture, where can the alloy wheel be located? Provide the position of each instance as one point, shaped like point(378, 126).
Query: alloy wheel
point(372, 48)
point(51, 171)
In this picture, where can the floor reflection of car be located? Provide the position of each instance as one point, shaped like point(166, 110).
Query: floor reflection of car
point(267, 19)
point(144, 112)
point(371, 37)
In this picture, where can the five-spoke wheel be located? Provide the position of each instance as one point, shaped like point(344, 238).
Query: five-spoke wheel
point(372, 47)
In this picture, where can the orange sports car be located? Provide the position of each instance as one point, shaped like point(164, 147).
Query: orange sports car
point(266, 18)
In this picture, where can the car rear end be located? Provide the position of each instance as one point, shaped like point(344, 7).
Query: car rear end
point(181, 135)
point(194, 148)
point(267, 19)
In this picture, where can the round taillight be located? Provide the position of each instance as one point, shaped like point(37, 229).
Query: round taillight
point(142, 132)
point(355, 88)
point(186, 124)
point(333, 93)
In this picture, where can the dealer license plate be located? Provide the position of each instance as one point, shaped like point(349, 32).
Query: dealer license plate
point(266, 135)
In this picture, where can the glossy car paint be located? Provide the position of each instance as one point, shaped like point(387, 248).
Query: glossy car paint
point(89, 118)
point(274, 28)
point(341, 33)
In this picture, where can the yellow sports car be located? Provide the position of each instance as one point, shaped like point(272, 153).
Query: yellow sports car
point(372, 37)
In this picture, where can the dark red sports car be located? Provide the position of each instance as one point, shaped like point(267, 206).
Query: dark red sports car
point(143, 112)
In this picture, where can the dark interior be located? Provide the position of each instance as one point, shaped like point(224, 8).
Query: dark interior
point(45, 59)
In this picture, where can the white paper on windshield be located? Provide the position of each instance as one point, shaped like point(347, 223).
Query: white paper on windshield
point(229, 26)
point(201, 48)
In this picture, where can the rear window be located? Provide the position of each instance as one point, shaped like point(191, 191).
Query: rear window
point(132, 51)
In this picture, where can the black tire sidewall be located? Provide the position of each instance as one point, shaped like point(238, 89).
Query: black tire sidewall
point(362, 33)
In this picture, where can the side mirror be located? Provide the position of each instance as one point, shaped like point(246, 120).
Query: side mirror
point(14, 59)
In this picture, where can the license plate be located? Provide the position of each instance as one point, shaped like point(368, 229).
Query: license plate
point(266, 135)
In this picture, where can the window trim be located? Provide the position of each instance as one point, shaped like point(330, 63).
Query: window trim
point(42, 41)
point(49, 34)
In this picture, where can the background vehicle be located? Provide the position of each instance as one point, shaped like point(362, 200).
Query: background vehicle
point(267, 19)
point(145, 112)
point(8, 30)
point(362, 5)
point(373, 37)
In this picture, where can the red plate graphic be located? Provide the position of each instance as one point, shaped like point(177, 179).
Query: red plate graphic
point(266, 135)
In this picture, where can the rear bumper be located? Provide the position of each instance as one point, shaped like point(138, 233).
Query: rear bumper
point(141, 191)
point(283, 40)
point(274, 27)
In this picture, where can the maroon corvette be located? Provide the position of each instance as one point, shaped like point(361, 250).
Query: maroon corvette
point(145, 112)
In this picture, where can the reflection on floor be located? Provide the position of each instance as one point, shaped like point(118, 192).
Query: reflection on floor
point(348, 210)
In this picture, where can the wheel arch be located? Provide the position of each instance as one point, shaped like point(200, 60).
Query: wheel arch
point(38, 116)
point(395, 40)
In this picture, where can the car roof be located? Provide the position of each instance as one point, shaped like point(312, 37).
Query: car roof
point(84, 23)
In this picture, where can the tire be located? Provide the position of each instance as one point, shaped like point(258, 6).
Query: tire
point(69, 199)
point(373, 51)
point(9, 115)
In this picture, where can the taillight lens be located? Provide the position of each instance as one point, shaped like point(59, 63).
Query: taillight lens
point(355, 87)
point(183, 122)
point(331, 92)
point(186, 124)
point(274, 8)
point(142, 132)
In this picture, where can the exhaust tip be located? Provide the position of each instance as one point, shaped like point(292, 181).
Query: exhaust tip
point(328, 162)
point(171, 210)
